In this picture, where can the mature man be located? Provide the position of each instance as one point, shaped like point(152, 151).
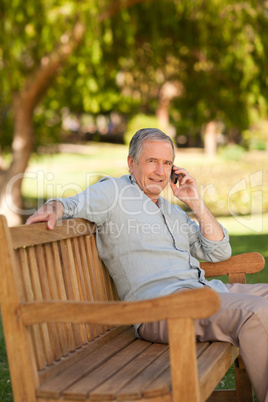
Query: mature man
point(152, 248)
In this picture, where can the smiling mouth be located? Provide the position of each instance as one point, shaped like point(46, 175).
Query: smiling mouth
point(156, 181)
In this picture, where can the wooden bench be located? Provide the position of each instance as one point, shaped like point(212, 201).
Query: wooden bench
point(69, 338)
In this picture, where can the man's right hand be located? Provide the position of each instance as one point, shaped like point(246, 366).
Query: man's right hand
point(49, 213)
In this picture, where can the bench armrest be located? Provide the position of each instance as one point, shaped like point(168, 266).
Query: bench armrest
point(247, 263)
point(196, 303)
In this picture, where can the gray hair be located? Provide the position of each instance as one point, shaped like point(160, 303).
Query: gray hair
point(146, 135)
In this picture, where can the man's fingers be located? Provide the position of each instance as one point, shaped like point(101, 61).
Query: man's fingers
point(36, 218)
point(51, 221)
point(50, 218)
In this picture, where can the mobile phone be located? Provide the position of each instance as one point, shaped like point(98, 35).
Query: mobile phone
point(173, 176)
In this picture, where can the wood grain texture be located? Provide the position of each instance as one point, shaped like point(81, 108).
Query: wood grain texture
point(196, 303)
point(247, 263)
point(18, 343)
point(185, 385)
point(28, 235)
point(60, 311)
point(217, 359)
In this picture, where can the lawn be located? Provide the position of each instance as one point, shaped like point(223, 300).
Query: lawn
point(234, 190)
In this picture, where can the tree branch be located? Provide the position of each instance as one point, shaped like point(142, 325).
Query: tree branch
point(37, 84)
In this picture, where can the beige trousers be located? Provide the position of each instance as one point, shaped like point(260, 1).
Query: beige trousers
point(241, 320)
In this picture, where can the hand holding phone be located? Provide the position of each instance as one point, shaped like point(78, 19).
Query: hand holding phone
point(173, 176)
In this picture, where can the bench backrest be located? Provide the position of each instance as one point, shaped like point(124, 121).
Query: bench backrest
point(62, 264)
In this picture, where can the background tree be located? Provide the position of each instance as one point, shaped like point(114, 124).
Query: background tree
point(190, 62)
point(38, 38)
point(225, 70)
point(213, 56)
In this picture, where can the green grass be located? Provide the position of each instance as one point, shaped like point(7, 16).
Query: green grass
point(244, 239)
point(5, 383)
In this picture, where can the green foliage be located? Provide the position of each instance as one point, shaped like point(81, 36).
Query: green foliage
point(232, 152)
point(5, 384)
point(215, 51)
point(223, 50)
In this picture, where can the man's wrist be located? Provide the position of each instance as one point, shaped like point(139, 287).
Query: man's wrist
point(197, 205)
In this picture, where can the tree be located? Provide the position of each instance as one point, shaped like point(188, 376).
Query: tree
point(190, 62)
point(212, 54)
point(39, 38)
point(224, 74)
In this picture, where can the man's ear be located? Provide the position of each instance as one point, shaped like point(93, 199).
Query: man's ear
point(130, 162)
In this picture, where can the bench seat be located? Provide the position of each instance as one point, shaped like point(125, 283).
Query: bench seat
point(126, 368)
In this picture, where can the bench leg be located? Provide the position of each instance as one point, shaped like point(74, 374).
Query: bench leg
point(244, 391)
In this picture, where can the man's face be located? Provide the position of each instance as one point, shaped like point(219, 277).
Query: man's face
point(152, 172)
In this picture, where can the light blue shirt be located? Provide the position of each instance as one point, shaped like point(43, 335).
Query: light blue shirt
point(150, 250)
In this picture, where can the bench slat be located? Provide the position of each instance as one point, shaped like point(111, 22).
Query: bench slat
point(50, 278)
point(76, 284)
point(160, 386)
point(68, 336)
point(201, 347)
point(90, 382)
point(45, 275)
point(70, 289)
point(135, 388)
point(56, 386)
point(50, 372)
point(49, 334)
point(111, 387)
point(27, 265)
point(85, 279)
point(43, 353)
point(54, 277)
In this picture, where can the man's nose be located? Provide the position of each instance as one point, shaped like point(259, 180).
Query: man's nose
point(159, 169)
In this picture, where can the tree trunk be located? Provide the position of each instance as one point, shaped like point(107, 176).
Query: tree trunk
point(11, 179)
point(169, 91)
point(23, 108)
point(210, 138)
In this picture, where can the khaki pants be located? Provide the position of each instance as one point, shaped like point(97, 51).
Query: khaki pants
point(241, 320)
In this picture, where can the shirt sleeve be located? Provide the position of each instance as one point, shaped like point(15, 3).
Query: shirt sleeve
point(208, 250)
point(95, 203)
